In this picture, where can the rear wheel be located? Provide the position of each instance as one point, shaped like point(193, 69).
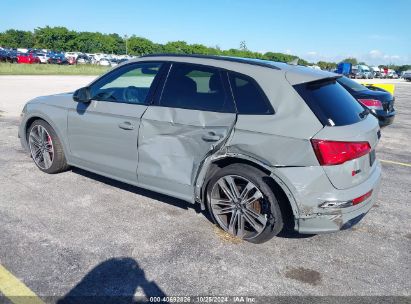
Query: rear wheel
point(46, 148)
point(243, 204)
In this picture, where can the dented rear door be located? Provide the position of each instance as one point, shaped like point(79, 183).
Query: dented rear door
point(193, 116)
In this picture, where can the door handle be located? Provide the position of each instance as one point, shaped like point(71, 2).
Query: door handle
point(126, 125)
point(211, 136)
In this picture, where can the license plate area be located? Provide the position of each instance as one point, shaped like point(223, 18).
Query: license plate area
point(372, 157)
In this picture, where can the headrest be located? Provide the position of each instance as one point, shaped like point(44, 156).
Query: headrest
point(215, 83)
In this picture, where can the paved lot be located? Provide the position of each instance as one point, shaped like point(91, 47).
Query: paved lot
point(76, 232)
point(17, 90)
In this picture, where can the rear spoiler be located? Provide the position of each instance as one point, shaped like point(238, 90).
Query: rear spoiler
point(323, 81)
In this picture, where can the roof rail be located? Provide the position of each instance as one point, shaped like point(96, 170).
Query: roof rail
point(215, 57)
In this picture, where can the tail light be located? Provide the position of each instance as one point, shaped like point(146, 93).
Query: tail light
point(330, 153)
point(361, 198)
point(371, 103)
point(345, 204)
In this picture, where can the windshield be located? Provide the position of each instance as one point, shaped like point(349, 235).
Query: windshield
point(353, 85)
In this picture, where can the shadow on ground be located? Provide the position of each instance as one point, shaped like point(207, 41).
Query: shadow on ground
point(113, 281)
point(140, 191)
point(287, 232)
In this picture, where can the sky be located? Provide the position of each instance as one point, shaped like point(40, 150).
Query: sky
point(374, 31)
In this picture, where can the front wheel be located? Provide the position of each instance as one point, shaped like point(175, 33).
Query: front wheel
point(242, 203)
point(45, 148)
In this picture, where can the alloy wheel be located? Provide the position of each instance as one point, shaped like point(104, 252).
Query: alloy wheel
point(41, 147)
point(238, 206)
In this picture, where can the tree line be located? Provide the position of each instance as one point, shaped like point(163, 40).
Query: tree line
point(62, 39)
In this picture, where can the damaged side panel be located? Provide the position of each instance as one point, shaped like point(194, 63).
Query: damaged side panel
point(311, 187)
point(273, 150)
point(174, 142)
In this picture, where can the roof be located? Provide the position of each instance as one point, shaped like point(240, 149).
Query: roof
point(294, 73)
point(258, 62)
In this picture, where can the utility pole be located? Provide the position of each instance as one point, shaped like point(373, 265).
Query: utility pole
point(125, 37)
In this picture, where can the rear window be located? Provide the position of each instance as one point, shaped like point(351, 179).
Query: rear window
point(330, 102)
point(249, 97)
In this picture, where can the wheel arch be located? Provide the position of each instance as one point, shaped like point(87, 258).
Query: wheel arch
point(286, 199)
point(39, 116)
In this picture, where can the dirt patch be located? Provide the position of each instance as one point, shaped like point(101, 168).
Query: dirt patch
point(304, 275)
point(226, 237)
point(408, 236)
point(360, 228)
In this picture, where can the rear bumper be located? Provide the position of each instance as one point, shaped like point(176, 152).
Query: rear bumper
point(310, 187)
point(386, 119)
point(326, 223)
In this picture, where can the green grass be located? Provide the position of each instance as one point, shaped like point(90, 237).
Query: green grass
point(50, 69)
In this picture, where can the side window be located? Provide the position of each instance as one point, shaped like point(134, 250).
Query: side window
point(196, 87)
point(248, 96)
point(130, 84)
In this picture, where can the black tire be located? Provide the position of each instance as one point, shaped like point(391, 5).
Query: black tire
point(270, 205)
point(59, 163)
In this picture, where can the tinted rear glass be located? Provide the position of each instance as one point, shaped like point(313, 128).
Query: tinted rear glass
point(249, 97)
point(330, 102)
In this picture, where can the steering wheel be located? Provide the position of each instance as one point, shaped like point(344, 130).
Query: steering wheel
point(132, 94)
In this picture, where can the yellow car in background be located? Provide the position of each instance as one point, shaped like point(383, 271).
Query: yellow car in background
point(389, 87)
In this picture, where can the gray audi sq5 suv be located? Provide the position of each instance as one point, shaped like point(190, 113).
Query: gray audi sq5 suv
point(263, 146)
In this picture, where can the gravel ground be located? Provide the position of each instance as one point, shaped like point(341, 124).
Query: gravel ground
point(76, 232)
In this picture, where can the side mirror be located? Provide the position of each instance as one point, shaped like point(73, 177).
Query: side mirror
point(82, 95)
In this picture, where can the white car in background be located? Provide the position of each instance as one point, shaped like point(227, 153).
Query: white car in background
point(99, 56)
point(71, 54)
point(83, 59)
point(392, 75)
point(92, 58)
point(114, 62)
point(376, 71)
point(104, 62)
point(43, 57)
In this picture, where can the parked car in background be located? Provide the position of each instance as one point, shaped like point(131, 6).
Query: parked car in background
point(114, 62)
point(3, 55)
point(301, 153)
point(376, 71)
point(83, 59)
point(57, 59)
point(11, 56)
point(122, 60)
point(28, 58)
point(407, 75)
point(71, 60)
point(392, 75)
point(44, 57)
point(71, 54)
point(93, 59)
point(22, 50)
point(99, 56)
point(378, 101)
point(104, 62)
point(362, 72)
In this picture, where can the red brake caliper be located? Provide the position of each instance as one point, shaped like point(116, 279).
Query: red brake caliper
point(49, 141)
